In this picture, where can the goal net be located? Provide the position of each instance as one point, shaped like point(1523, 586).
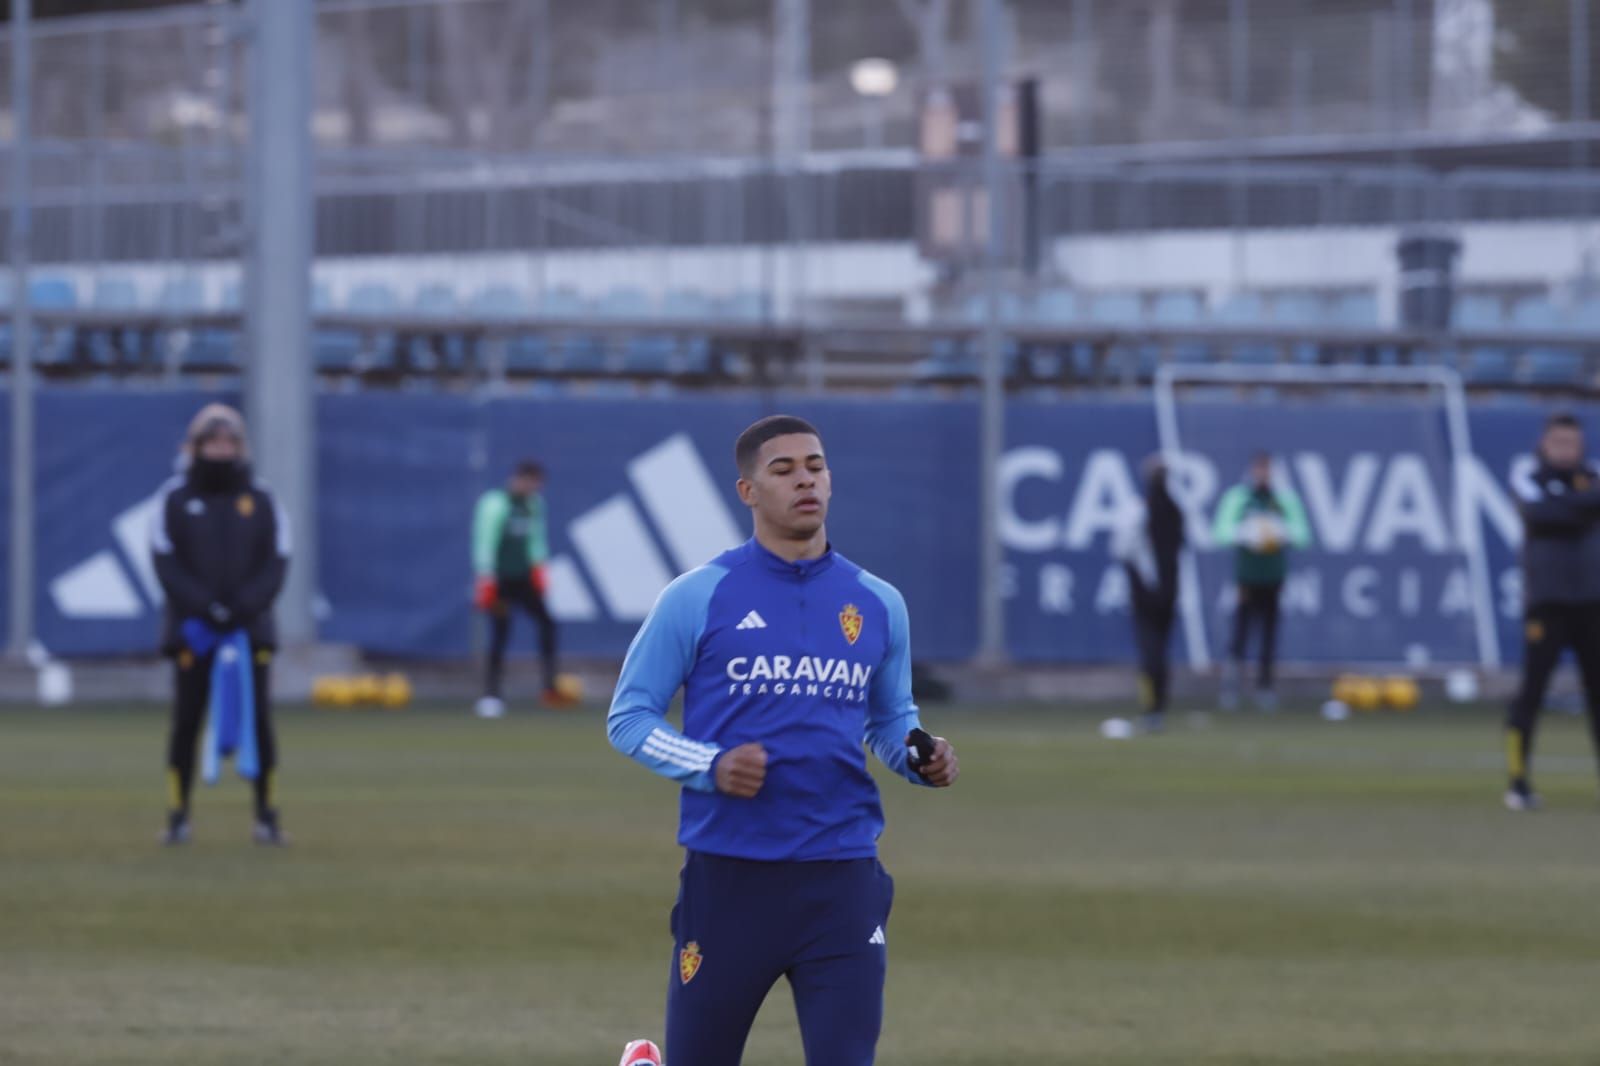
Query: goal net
point(1380, 462)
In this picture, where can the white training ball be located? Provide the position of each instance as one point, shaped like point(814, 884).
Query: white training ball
point(1335, 711)
point(55, 684)
point(1116, 729)
point(1461, 686)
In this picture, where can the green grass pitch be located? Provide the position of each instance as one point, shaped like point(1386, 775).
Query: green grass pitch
point(1268, 890)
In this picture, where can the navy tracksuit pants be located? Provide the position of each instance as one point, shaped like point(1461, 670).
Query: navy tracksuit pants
point(740, 925)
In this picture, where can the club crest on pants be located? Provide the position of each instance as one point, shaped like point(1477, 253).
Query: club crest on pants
point(689, 960)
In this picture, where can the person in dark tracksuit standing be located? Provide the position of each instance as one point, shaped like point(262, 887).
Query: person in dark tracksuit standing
point(1149, 546)
point(1260, 521)
point(1560, 506)
point(510, 544)
point(220, 545)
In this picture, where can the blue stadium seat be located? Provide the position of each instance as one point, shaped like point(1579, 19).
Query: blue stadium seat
point(337, 350)
point(105, 348)
point(1585, 317)
point(376, 299)
point(563, 302)
point(499, 301)
point(1115, 309)
point(435, 299)
point(1012, 308)
point(332, 349)
point(1546, 366)
point(528, 353)
point(1297, 309)
point(580, 355)
point(646, 355)
point(694, 357)
point(443, 353)
point(1490, 366)
point(372, 298)
point(1057, 305)
point(178, 295)
point(1247, 309)
point(685, 304)
point(1177, 309)
point(1256, 354)
point(625, 303)
point(1477, 312)
point(948, 362)
point(1243, 309)
point(573, 353)
point(211, 349)
point(1556, 366)
point(1535, 314)
point(746, 305)
point(1301, 310)
point(1356, 310)
point(650, 356)
point(1191, 353)
point(207, 348)
point(115, 294)
point(953, 362)
point(53, 294)
point(1484, 365)
point(53, 346)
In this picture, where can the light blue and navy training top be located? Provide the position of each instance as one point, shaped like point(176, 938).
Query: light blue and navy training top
point(804, 657)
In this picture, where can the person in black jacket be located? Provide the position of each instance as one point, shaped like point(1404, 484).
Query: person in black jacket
point(1560, 507)
point(220, 544)
point(1149, 546)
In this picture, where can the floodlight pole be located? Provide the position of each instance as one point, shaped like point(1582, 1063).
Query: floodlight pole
point(279, 378)
point(992, 418)
point(20, 617)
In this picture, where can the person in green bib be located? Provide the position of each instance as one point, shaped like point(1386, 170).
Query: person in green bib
point(510, 543)
point(1261, 522)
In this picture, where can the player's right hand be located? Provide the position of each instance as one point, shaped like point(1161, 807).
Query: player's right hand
point(742, 771)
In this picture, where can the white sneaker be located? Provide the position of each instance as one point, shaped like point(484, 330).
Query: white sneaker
point(1521, 801)
point(490, 707)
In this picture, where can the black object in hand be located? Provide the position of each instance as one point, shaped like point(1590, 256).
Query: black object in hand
point(919, 748)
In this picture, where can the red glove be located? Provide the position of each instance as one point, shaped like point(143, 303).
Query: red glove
point(541, 583)
point(487, 595)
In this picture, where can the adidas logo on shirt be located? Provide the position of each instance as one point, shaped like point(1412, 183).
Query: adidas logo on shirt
point(752, 621)
point(877, 937)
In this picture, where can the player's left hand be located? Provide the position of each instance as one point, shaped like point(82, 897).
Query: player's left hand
point(942, 770)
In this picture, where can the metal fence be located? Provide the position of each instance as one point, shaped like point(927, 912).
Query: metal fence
point(479, 127)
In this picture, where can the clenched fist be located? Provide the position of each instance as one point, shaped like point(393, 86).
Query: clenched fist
point(742, 771)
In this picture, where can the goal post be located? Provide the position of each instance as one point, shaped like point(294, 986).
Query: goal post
point(1387, 453)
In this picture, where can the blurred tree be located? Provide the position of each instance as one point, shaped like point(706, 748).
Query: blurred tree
point(1532, 53)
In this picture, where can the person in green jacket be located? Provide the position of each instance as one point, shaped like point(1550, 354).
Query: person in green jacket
point(1261, 522)
point(510, 543)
